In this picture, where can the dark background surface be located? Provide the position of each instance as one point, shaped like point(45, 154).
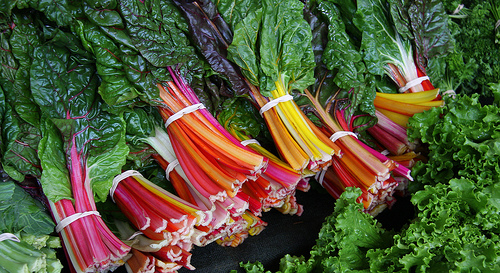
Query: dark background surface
point(284, 234)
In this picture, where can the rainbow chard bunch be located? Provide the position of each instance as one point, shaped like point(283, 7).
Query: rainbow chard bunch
point(398, 40)
point(266, 70)
point(59, 134)
point(81, 150)
point(234, 207)
point(404, 53)
point(274, 66)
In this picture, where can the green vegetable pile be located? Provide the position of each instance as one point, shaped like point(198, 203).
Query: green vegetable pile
point(455, 197)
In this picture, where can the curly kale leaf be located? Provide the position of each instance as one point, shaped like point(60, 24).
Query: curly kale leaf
point(463, 139)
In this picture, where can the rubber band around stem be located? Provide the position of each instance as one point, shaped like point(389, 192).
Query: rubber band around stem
point(9, 236)
point(340, 134)
point(413, 83)
point(184, 111)
point(70, 219)
point(249, 141)
point(273, 103)
point(171, 166)
point(119, 178)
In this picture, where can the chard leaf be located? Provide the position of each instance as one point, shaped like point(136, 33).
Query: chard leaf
point(139, 124)
point(380, 41)
point(339, 69)
point(401, 18)
point(20, 212)
point(243, 49)
point(103, 13)
point(429, 23)
point(19, 146)
point(157, 30)
point(240, 118)
point(78, 136)
point(426, 23)
point(116, 84)
point(55, 178)
point(340, 53)
point(19, 43)
point(234, 11)
point(283, 50)
point(211, 35)
point(62, 12)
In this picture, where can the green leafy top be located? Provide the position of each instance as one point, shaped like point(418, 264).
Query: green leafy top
point(381, 43)
point(234, 11)
point(20, 212)
point(474, 64)
point(463, 138)
point(80, 141)
point(274, 43)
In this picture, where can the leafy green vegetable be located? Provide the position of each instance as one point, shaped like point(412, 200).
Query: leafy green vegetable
point(20, 212)
point(463, 139)
point(345, 238)
point(474, 64)
point(234, 11)
point(31, 223)
point(31, 254)
point(283, 50)
point(156, 29)
point(64, 87)
point(20, 114)
point(340, 53)
point(426, 23)
point(239, 115)
point(381, 43)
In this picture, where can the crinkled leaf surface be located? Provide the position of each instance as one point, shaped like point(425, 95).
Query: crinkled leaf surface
point(234, 11)
point(211, 35)
point(19, 43)
point(240, 117)
point(283, 50)
point(20, 212)
point(157, 30)
point(463, 138)
point(116, 78)
point(380, 41)
point(65, 88)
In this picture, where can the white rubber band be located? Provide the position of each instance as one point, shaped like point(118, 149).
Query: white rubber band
point(385, 152)
point(70, 219)
point(340, 134)
point(413, 83)
point(137, 233)
point(171, 166)
point(458, 9)
point(250, 141)
point(9, 236)
point(497, 24)
point(187, 110)
point(119, 178)
point(320, 176)
point(274, 102)
point(450, 93)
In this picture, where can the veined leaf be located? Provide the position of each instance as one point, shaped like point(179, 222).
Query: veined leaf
point(282, 51)
point(79, 138)
point(234, 12)
point(380, 41)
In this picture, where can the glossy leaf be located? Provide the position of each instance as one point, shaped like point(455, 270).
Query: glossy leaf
point(65, 90)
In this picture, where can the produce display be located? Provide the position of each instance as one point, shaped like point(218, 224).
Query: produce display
point(138, 132)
